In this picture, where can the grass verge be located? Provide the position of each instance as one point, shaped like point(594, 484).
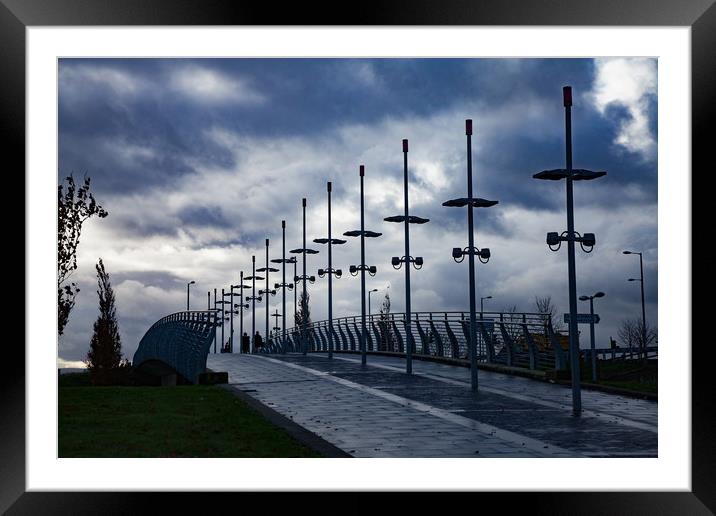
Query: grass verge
point(182, 421)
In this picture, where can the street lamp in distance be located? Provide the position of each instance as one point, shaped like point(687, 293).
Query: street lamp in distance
point(192, 282)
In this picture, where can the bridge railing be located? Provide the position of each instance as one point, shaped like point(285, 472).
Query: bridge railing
point(514, 339)
point(180, 340)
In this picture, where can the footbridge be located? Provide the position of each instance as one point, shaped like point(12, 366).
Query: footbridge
point(178, 342)
point(525, 340)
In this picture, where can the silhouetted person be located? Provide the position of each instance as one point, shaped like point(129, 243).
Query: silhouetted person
point(258, 341)
point(245, 342)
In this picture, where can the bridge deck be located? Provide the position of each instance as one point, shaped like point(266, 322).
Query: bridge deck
point(379, 411)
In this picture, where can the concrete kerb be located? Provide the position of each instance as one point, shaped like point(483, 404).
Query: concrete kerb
point(295, 430)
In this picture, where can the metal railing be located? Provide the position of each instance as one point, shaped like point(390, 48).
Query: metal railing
point(515, 339)
point(180, 340)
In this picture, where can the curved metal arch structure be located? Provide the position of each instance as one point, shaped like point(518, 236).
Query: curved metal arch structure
point(180, 340)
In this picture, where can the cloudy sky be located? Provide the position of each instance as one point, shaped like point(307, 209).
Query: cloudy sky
point(198, 161)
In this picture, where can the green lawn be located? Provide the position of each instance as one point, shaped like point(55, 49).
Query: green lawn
point(626, 374)
point(182, 421)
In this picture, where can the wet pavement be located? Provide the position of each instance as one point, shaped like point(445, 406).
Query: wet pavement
point(379, 411)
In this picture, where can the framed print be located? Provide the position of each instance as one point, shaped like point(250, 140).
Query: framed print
point(200, 81)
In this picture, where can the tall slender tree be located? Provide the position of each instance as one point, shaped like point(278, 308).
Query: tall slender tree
point(74, 206)
point(384, 324)
point(105, 353)
point(303, 317)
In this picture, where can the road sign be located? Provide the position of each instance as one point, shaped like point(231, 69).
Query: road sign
point(583, 318)
point(488, 323)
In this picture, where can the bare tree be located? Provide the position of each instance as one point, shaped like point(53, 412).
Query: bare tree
point(513, 328)
point(632, 334)
point(549, 311)
point(74, 207)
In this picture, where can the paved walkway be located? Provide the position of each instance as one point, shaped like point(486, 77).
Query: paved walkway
point(379, 411)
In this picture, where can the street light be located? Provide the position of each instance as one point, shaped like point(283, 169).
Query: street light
point(471, 251)
point(253, 298)
point(397, 262)
point(481, 300)
point(242, 305)
point(304, 251)
point(330, 271)
point(267, 290)
point(643, 310)
point(187, 293)
point(362, 267)
point(369, 293)
point(571, 236)
point(591, 330)
point(283, 285)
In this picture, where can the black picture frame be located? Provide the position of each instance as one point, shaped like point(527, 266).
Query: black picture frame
point(16, 15)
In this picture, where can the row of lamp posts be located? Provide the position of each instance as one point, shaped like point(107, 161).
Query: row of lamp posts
point(554, 240)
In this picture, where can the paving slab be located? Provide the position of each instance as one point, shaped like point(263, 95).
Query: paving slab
point(379, 411)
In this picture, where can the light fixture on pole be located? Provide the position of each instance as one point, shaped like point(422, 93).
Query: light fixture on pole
point(253, 298)
point(591, 330)
point(231, 313)
point(362, 267)
point(276, 315)
point(330, 271)
point(187, 293)
point(242, 306)
point(471, 251)
point(304, 251)
point(416, 262)
point(267, 291)
point(215, 327)
point(283, 285)
point(586, 242)
point(643, 309)
point(481, 301)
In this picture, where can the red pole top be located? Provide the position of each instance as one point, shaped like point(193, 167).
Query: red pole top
point(405, 145)
point(329, 186)
point(468, 126)
point(362, 170)
point(283, 224)
point(567, 90)
point(303, 201)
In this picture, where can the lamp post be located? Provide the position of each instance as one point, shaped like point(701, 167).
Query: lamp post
point(362, 266)
point(253, 298)
point(591, 330)
point(586, 242)
point(187, 293)
point(222, 322)
point(231, 313)
point(481, 301)
point(267, 290)
point(242, 305)
point(330, 271)
point(283, 285)
point(304, 251)
point(397, 262)
point(369, 293)
point(483, 254)
point(643, 310)
point(276, 315)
